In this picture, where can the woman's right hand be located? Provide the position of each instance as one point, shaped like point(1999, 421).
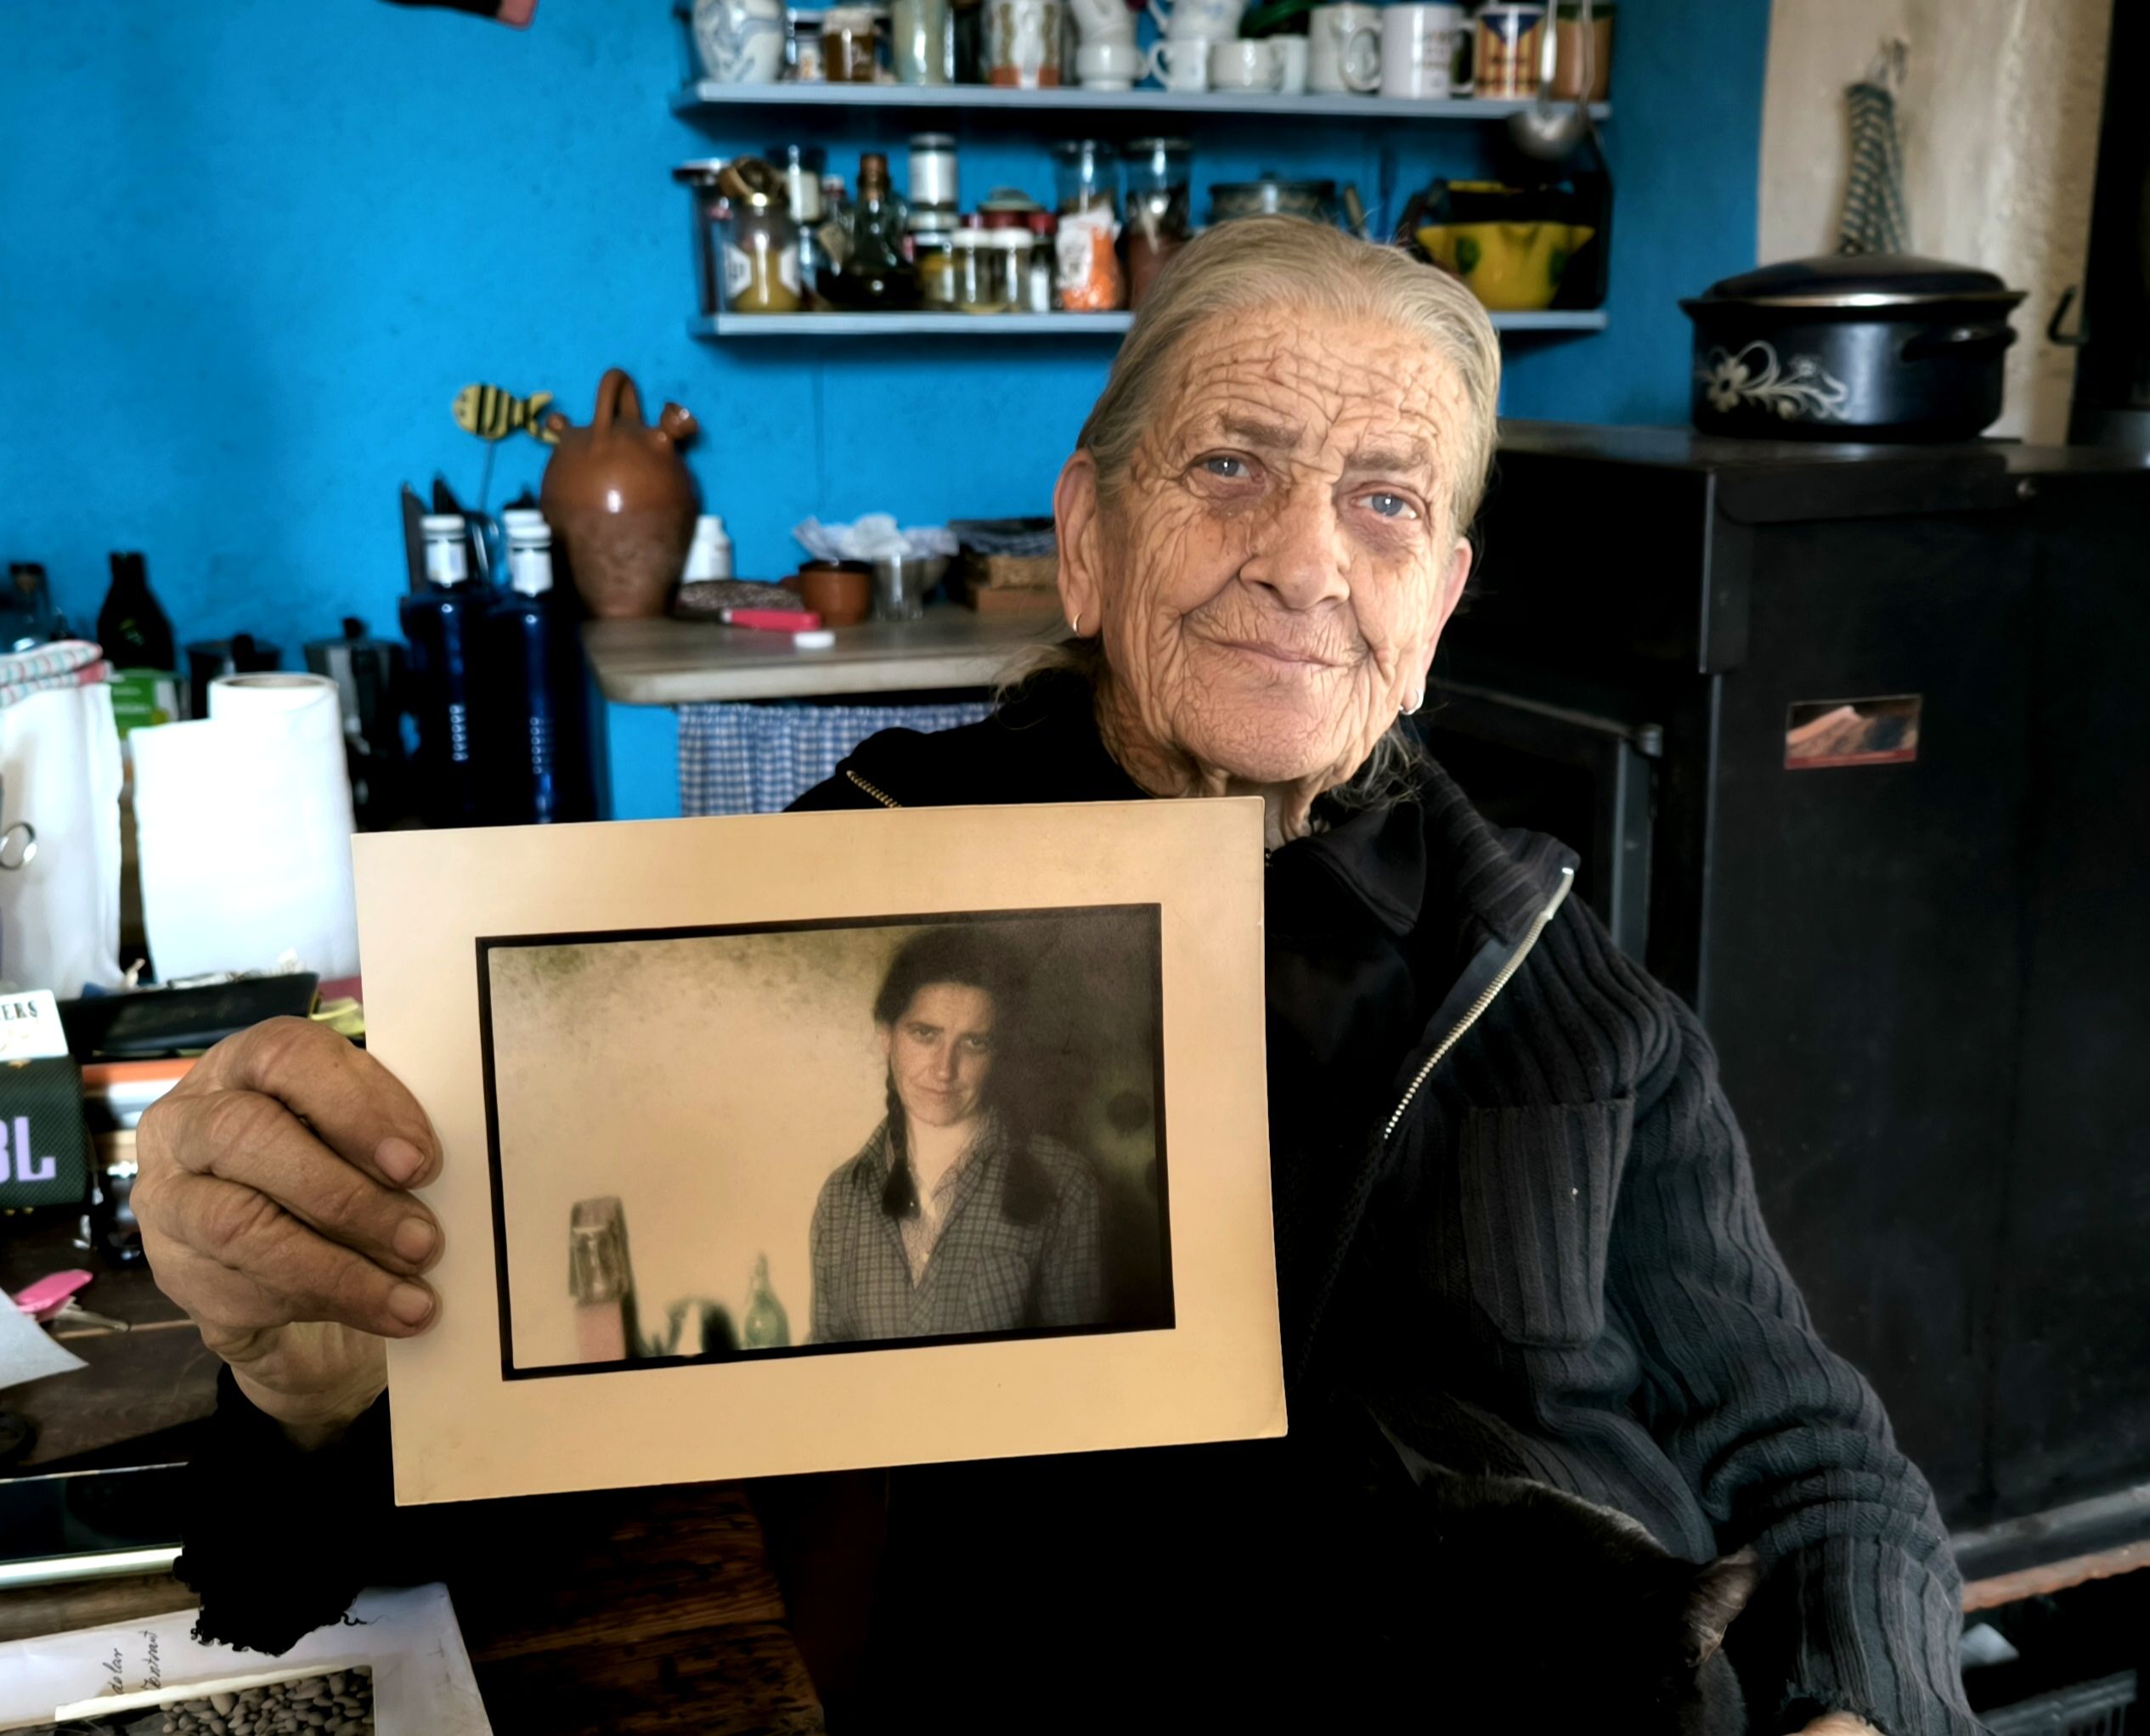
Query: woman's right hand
point(271, 1193)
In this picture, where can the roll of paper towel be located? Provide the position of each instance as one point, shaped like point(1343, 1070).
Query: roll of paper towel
point(243, 828)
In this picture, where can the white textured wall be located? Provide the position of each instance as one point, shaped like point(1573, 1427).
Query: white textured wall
point(1999, 117)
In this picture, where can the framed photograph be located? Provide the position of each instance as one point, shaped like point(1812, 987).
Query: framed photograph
point(802, 1141)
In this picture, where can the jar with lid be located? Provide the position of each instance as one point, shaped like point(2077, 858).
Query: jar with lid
point(1159, 180)
point(850, 45)
point(933, 252)
point(1010, 256)
point(801, 164)
point(711, 213)
point(979, 287)
point(761, 257)
point(1087, 277)
point(933, 165)
point(803, 60)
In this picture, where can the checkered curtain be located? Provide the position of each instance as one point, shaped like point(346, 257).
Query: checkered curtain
point(758, 759)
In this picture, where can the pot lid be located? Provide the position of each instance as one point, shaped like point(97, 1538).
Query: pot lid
point(1861, 280)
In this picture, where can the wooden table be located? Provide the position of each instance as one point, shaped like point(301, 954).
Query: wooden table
point(686, 663)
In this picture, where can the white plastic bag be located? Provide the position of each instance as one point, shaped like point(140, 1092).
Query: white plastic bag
point(59, 771)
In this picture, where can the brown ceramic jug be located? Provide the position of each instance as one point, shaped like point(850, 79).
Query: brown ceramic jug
point(618, 496)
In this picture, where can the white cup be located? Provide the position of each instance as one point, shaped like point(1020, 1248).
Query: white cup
point(1344, 47)
point(1419, 47)
point(1207, 20)
point(1103, 21)
point(1292, 65)
point(1179, 63)
point(1108, 65)
point(1238, 66)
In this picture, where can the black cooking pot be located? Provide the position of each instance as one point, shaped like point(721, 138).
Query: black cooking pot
point(1852, 346)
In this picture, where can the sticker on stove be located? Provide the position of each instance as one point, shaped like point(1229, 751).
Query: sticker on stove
point(1822, 733)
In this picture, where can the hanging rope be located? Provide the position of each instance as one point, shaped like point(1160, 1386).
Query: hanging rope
point(1875, 220)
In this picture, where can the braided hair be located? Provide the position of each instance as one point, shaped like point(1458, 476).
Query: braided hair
point(968, 957)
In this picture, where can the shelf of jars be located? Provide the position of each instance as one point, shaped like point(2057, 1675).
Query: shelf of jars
point(707, 95)
point(920, 325)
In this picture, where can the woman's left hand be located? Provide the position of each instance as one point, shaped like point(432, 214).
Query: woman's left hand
point(1840, 1724)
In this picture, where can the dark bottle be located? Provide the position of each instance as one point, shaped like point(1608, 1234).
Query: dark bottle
point(874, 274)
point(131, 627)
point(443, 622)
point(27, 617)
point(538, 706)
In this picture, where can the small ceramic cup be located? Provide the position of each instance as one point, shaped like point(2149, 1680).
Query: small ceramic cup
point(1292, 65)
point(1102, 21)
point(1179, 63)
point(1241, 66)
point(1344, 47)
point(1420, 47)
point(1108, 65)
point(1209, 20)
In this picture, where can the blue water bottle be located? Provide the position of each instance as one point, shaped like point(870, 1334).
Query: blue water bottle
point(540, 712)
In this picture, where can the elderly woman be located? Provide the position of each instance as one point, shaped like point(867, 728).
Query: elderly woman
point(1515, 1226)
point(954, 1218)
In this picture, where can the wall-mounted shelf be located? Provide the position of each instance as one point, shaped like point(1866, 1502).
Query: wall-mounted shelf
point(708, 95)
point(738, 325)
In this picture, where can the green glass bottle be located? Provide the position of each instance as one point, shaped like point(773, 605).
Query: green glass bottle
point(766, 1327)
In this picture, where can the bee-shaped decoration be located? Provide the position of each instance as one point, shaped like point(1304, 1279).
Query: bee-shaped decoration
point(491, 413)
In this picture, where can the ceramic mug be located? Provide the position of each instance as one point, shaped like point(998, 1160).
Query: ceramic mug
point(1344, 47)
point(1108, 65)
point(1023, 44)
point(741, 42)
point(1238, 66)
point(1207, 20)
point(1292, 65)
point(1420, 45)
point(1102, 21)
point(1179, 63)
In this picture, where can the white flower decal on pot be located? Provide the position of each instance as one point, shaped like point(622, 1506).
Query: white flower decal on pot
point(1799, 388)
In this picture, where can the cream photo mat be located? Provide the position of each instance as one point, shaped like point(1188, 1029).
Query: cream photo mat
point(463, 1429)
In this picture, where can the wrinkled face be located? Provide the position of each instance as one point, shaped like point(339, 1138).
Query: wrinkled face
point(1276, 564)
point(940, 1052)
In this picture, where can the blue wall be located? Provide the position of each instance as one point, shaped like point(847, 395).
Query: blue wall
point(249, 249)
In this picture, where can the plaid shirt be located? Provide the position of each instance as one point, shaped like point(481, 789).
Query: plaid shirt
point(1009, 1257)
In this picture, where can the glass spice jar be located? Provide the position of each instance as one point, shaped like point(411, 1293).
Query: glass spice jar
point(978, 284)
point(1011, 259)
point(850, 45)
point(933, 252)
point(761, 257)
point(1159, 183)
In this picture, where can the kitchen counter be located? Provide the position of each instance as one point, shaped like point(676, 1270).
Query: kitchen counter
point(688, 662)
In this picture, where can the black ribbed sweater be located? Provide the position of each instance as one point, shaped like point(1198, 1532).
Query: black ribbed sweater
point(1554, 1266)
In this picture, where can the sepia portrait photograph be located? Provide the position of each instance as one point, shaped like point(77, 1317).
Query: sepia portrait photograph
point(789, 1143)
point(822, 1137)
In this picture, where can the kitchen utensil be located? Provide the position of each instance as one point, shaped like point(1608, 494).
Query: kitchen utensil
point(1547, 130)
point(1852, 346)
point(1510, 267)
point(1269, 196)
point(1344, 48)
point(1420, 47)
point(618, 496)
point(1242, 65)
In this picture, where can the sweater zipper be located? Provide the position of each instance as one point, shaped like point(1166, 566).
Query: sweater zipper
point(1477, 1008)
point(881, 796)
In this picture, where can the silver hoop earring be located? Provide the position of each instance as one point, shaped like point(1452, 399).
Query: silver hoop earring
point(1417, 699)
point(1075, 625)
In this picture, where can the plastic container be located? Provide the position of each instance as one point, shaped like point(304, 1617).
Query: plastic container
point(709, 554)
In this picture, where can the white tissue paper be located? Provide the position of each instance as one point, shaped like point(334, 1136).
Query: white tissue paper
point(870, 537)
point(59, 770)
point(243, 825)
